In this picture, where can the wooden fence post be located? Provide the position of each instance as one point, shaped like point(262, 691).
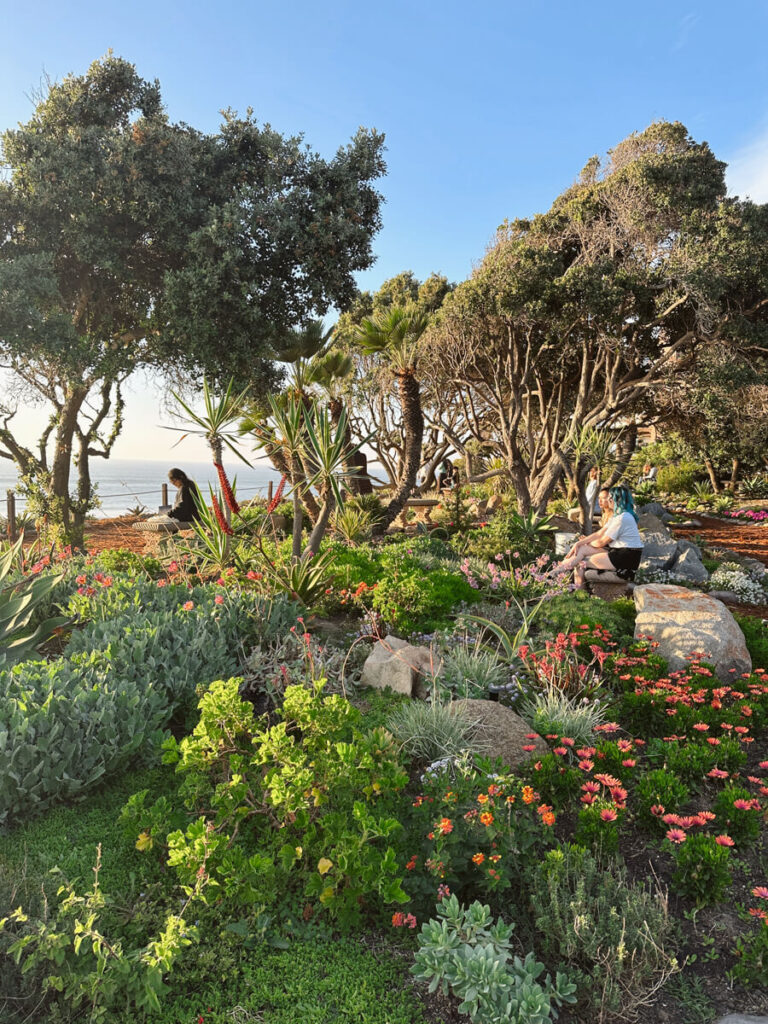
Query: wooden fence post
point(165, 494)
point(269, 491)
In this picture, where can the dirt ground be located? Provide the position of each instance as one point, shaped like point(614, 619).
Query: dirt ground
point(103, 534)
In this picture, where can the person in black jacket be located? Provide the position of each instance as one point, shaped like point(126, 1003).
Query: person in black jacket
point(185, 507)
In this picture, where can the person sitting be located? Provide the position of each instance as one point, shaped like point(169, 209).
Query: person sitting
point(185, 509)
point(604, 505)
point(616, 547)
point(446, 477)
point(649, 474)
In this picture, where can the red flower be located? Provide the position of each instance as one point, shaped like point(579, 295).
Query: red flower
point(226, 489)
point(220, 517)
point(278, 496)
point(676, 835)
point(724, 841)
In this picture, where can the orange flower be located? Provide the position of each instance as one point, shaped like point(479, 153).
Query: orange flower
point(486, 819)
point(482, 798)
point(528, 795)
point(445, 826)
point(478, 858)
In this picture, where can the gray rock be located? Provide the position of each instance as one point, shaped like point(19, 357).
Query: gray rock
point(395, 663)
point(687, 545)
point(500, 731)
point(725, 595)
point(689, 565)
point(742, 1018)
point(660, 547)
point(655, 508)
point(685, 622)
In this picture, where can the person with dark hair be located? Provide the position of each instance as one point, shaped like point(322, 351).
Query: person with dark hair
point(446, 477)
point(185, 508)
point(616, 547)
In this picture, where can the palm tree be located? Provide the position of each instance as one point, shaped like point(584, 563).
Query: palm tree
point(395, 334)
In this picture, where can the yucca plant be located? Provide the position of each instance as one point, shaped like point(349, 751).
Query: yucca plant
point(18, 602)
point(305, 580)
point(352, 525)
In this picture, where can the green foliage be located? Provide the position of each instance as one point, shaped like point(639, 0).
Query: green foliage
point(756, 638)
point(66, 724)
point(702, 869)
point(519, 537)
point(471, 671)
point(19, 604)
point(751, 950)
point(738, 814)
point(123, 560)
point(352, 525)
point(609, 933)
point(566, 612)
point(552, 711)
point(430, 730)
point(679, 478)
point(465, 953)
point(410, 600)
point(90, 970)
point(308, 793)
point(660, 789)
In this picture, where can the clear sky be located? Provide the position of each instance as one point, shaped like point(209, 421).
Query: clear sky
point(489, 110)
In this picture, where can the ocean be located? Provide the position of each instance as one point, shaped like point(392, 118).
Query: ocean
point(122, 484)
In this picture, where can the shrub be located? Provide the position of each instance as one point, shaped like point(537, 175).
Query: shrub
point(732, 576)
point(308, 794)
point(702, 869)
point(464, 952)
point(472, 671)
point(567, 612)
point(609, 933)
point(410, 600)
point(428, 731)
point(679, 477)
point(738, 814)
point(552, 711)
point(658, 792)
point(756, 637)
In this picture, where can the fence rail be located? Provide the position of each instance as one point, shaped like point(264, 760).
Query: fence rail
point(12, 530)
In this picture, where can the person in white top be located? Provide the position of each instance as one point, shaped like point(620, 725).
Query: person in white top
point(616, 547)
point(592, 490)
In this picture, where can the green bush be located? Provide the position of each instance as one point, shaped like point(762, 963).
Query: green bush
point(123, 560)
point(756, 637)
point(465, 953)
point(409, 599)
point(679, 477)
point(702, 869)
point(608, 933)
point(66, 724)
point(429, 730)
point(566, 612)
point(659, 792)
point(300, 807)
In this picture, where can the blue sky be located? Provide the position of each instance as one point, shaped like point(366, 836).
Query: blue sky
point(489, 111)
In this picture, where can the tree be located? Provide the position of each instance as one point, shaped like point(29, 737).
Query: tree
point(574, 316)
point(395, 335)
point(127, 240)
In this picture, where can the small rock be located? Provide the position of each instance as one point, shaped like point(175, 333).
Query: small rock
point(405, 669)
point(742, 1018)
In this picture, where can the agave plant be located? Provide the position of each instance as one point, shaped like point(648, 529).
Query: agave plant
point(305, 580)
point(352, 525)
point(18, 602)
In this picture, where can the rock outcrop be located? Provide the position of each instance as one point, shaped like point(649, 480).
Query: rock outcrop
point(685, 623)
point(405, 669)
point(501, 732)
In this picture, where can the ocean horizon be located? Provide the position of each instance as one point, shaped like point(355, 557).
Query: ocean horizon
point(122, 484)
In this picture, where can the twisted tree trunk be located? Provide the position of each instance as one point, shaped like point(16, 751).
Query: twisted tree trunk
point(413, 424)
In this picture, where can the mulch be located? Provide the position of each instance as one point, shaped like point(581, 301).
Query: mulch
point(106, 534)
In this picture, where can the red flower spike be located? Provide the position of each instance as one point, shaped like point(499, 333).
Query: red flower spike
point(226, 489)
point(220, 517)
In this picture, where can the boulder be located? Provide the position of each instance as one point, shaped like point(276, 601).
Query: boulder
point(494, 502)
point(660, 547)
point(655, 508)
point(685, 622)
point(687, 545)
point(501, 732)
point(689, 565)
point(405, 669)
point(725, 595)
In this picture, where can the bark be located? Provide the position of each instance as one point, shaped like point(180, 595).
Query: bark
point(713, 477)
point(735, 471)
point(413, 424)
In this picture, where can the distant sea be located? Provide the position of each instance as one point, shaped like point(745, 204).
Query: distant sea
point(124, 483)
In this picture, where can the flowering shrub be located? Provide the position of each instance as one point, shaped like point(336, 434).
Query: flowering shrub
point(702, 871)
point(474, 833)
point(752, 949)
point(738, 814)
point(754, 515)
point(732, 576)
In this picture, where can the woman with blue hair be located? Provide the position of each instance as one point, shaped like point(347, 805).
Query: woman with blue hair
point(616, 547)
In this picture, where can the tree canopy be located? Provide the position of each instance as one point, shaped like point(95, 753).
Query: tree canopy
point(128, 240)
point(575, 315)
